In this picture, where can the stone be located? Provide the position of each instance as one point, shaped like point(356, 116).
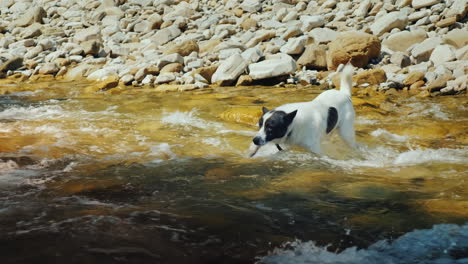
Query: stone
point(32, 31)
point(311, 22)
point(291, 32)
point(423, 3)
point(442, 54)
point(206, 72)
point(290, 16)
point(172, 67)
point(91, 47)
point(323, 35)
point(80, 71)
point(457, 9)
point(252, 55)
point(279, 65)
point(251, 6)
point(127, 79)
point(314, 57)
point(352, 46)
point(165, 35)
point(438, 83)
point(32, 53)
point(446, 22)
point(417, 85)
point(184, 48)
point(422, 51)
point(388, 22)
point(165, 78)
point(33, 15)
point(103, 85)
point(400, 59)
point(226, 53)
point(418, 15)
point(244, 80)
point(457, 38)
point(372, 77)
point(11, 64)
point(261, 35)
point(171, 58)
point(294, 46)
point(91, 33)
point(401, 41)
point(229, 70)
point(362, 9)
point(248, 23)
point(49, 68)
point(413, 77)
point(183, 9)
point(462, 54)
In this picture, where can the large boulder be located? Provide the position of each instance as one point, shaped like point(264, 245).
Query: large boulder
point(11, 64)
point(278, 65)
point(372, 77)
point(457, 38)
point(314, 57)
point(388, 22)
point(401, 41)
point(421, 52)
point(355, 47)
point(229, 70)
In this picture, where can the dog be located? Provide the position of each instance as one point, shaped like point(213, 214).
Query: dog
point(307, 123)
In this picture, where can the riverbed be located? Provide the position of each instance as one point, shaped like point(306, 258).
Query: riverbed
point(139, 176)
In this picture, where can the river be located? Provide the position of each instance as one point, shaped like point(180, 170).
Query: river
point(138, 176)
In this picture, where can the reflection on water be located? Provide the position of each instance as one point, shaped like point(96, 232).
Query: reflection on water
point(144, 177)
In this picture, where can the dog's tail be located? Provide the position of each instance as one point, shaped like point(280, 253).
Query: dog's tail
point(346, 79)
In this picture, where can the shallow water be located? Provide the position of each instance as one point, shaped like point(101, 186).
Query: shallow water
point(138, 176)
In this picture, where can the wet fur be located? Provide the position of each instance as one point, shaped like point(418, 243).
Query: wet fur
point(307, 123)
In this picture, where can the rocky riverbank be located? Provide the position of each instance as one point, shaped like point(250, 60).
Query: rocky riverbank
point(418, 46)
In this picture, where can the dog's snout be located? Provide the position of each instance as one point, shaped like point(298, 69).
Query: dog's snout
point(257, 141)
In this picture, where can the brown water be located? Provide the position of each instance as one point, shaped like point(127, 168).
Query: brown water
point(136, 176)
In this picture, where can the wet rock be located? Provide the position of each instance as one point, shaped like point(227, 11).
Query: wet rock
point(33, 15)
point(422, 51)
point(388, 22)
point(279, 65)
point(49, 68)
point(229, 70)
point(11, 64)
point(314, 57)
point(294, 46)
point(244, 80)
point(355, 47)
point(323, 35)
point(184, 48)
point(372, 77)
point(413, 77)
point(457, 38)
point(401, 41)
point(243, 115)
point(108, 83)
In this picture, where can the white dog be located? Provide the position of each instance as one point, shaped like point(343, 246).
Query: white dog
point(307, 123)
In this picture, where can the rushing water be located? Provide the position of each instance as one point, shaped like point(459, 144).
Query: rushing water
point(136, 176)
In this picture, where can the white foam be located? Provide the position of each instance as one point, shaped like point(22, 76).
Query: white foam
point(189, 120)
point(428, 110)
point(419, 156)
point(238, 132)
point(430, 246)
point(212, 141)
point(388, 135)
point(32, 113)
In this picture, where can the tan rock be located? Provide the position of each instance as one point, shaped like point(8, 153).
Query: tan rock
point(457, 38)
point(413, 77)
point(244, 80)
point(248, 23)
point(49, 68)
point(206, 72)
point(417, 85)
point(447, 22)
point(356, 47)
point(314, 57)
point(33, 15)
point(91, 47)
point(209, 45)
point(172, 67)
point(401, 41)
point(11, 64)
point(109, 83)
point(372, 77)
point(184, 48)
point(438, 83)
point(238, 12)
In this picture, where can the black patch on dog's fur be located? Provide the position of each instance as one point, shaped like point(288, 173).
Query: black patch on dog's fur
point(332, 119)
point(277, 124)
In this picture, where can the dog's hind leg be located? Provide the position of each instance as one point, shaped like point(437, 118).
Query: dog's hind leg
point(346, 131)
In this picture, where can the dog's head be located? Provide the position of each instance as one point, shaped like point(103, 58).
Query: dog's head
point(273, 126)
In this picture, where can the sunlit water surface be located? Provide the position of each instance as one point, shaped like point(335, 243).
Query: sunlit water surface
point(136, 176)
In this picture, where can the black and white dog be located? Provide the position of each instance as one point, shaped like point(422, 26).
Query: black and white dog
point(307, 123)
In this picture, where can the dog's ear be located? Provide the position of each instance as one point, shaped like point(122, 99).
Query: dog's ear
point(265, 110)
point(290, 117)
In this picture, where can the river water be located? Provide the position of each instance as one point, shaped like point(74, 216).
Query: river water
point(137, 176)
